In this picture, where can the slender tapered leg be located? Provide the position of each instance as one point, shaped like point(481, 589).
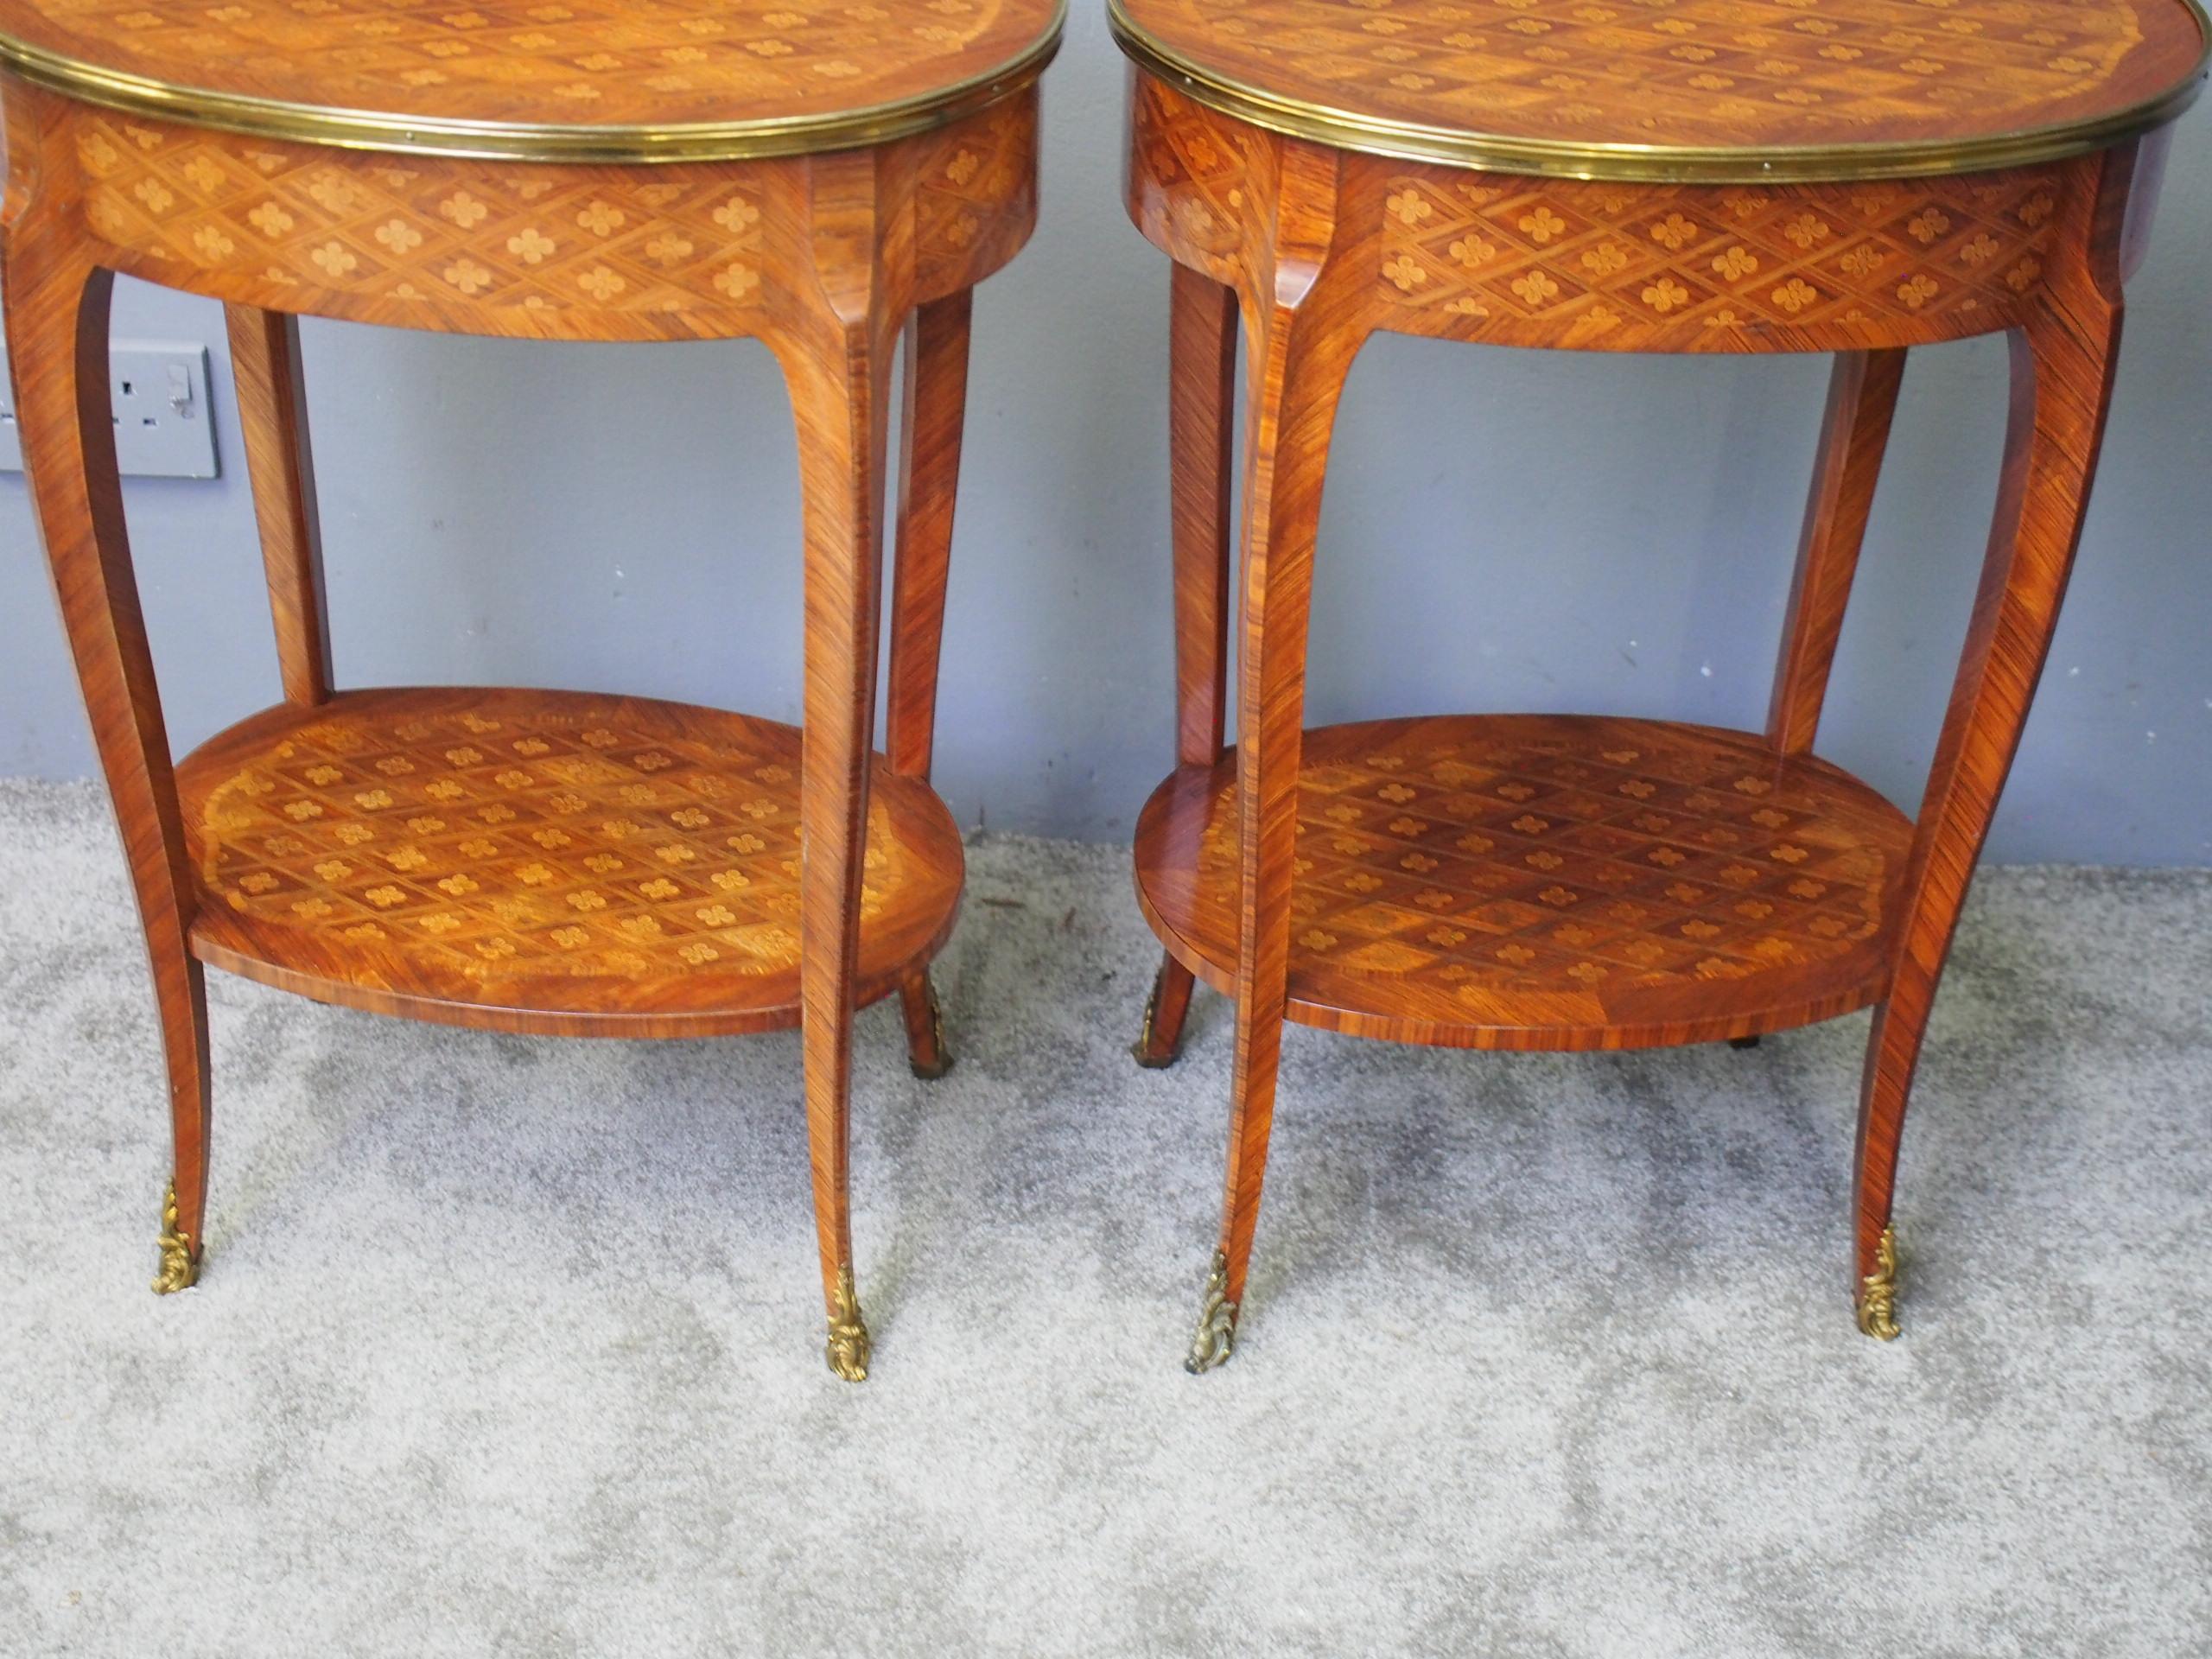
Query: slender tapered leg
point(934, 411)
point(837, 369)
point(57, 315)
point(1304, 339)
point(1862, 399)
point(273, 415)
point(1201, 413)
point(2062, 370)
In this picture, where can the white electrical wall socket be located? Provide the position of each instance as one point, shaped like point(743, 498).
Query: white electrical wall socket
point(163, 427)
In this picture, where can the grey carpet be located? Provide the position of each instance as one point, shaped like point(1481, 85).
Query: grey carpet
point(512, 1346)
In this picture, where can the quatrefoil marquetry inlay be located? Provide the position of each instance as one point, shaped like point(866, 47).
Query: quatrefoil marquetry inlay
point(1645, 265)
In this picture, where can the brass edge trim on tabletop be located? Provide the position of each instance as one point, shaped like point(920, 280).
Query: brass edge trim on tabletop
point(1655, 163)
point(697, 141)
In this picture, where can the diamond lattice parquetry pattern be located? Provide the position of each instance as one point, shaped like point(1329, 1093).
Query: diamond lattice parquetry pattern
point(1693, 72)
point(1563, 262)
point(319, 231)
point(1644, 260)
point(1212, 171)
point(1553, 871)
point(571, 62)
point(489, 846)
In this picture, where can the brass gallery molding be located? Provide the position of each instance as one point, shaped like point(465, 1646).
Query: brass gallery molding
point(1652, 163)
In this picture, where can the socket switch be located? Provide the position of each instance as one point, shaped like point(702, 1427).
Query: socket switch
point(163, 427)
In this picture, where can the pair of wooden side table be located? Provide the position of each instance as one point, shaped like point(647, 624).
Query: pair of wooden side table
point(1850, 176)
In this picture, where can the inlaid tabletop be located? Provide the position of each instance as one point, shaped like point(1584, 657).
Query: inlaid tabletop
point(596, 80)
point(1740, 89)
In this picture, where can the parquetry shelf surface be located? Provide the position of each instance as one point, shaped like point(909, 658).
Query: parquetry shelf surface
point(657, 64)
point(1546, 881)
point(1689, 74)
point(575, 859)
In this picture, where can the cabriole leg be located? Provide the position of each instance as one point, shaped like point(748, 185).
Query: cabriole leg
point(57, 317)
point(273, 415)
point(2062, 368)
point(837, 371)
point(1303, 343)
point(1201, 413)
point(932, 419)
point(1854, 435)
point(841, 408)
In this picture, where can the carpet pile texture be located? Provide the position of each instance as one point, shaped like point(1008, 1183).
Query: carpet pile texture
point(512, 1346)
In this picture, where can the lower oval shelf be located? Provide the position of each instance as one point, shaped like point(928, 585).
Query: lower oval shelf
point(542, 861)
point(1546, 882)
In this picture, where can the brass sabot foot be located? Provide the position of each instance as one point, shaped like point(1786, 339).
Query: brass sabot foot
point(180, 1268)
point(1215, 1339)
point(1878, 1292)
point(847, 1348)
point(1141, 1050)
point(931, 1071)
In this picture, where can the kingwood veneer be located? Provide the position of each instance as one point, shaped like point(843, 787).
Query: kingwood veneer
point(694, 170)
point(1857, 177)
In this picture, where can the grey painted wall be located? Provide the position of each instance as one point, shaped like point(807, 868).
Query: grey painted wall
point(1502, 530)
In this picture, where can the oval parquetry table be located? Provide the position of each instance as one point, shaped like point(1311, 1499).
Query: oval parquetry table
point(1857, 177)
point(825, 181)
